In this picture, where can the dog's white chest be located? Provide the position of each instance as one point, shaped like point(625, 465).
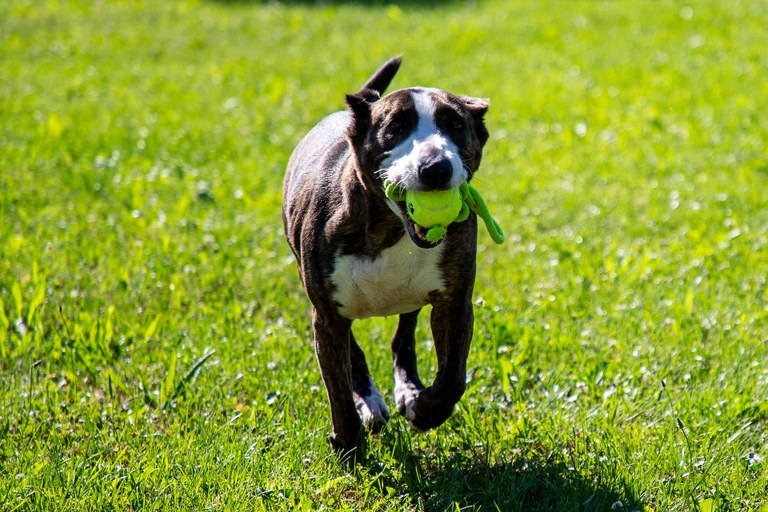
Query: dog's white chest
point(398, 281)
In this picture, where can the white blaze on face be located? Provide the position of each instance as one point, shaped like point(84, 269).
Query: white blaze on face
point(425, 145)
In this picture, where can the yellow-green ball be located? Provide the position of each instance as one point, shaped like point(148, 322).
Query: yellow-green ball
point(438, 208)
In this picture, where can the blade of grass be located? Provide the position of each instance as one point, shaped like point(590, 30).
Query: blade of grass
point(188, 378)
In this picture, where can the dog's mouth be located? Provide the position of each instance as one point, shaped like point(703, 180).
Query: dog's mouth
point(417, 234)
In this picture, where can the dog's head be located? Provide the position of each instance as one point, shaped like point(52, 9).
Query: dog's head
point(419, 139)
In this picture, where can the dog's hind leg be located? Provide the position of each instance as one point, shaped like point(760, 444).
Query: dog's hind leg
point(407, 382)
point(369, 403)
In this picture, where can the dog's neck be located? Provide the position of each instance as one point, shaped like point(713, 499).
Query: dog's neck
point(363, 223)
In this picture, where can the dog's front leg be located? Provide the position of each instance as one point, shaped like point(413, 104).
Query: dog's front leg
point(452, 324)
point(332, 346)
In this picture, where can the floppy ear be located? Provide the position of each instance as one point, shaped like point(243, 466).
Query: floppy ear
point(360, 106)
point(477, 107)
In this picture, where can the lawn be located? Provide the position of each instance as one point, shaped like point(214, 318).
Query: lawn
point(155, 348)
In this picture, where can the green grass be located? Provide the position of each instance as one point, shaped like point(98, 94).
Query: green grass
point(154, 343)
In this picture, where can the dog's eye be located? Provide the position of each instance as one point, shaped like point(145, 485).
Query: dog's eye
point(457, 124)
point(393, 130)
point(394, 127)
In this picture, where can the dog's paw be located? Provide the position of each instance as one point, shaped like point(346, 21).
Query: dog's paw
point(372, 410)
point(406, 394)
point(424, 408)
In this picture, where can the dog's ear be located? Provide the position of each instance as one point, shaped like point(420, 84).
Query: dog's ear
point(477, 108)
point(360, 106)
point(363, 95)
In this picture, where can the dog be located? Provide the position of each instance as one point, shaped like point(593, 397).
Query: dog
point(360, 255)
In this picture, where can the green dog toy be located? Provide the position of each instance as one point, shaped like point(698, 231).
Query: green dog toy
point(434, 211)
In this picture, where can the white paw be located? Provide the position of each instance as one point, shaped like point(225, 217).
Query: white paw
point(405, 398)
point(372, 409)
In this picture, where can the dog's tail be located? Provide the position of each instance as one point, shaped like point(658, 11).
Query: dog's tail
point(380, 80)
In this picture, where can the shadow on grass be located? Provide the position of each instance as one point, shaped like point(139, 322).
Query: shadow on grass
point(466, 482)
point(525, 485)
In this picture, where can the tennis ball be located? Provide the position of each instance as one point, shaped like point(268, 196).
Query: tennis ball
point(429, 209)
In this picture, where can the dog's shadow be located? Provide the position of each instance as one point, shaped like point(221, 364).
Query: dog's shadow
point(468, 481)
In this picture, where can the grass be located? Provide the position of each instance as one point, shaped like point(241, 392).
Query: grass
point(154, 342)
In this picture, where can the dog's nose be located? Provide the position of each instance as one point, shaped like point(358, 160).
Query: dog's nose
point(436, 175)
